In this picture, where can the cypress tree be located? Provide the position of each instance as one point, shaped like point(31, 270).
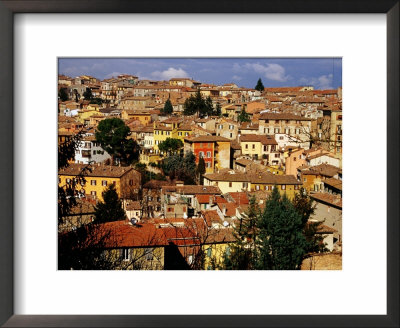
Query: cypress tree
point(259, 86)
point(168, 109)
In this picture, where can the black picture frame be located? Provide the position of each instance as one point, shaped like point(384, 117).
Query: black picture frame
point(10, 7)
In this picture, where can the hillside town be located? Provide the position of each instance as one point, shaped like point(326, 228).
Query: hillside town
point(176, 174)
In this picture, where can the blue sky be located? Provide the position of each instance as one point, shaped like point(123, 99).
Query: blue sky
point(322, 73)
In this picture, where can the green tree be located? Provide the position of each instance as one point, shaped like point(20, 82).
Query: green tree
point(112, 134)
point(196, 104)
point(77, 95)
point(217, 111)
point(170, 145)
point(182, 168)
point(201, 169)
point(259, 86)
point(63, 94)
point(168, 109)
point(243, 116)
point(87, 95)
point(243, 253)
point(96, 100)
point(282, 245)
point(209, 107)
point(111, 208)
point(305, 206)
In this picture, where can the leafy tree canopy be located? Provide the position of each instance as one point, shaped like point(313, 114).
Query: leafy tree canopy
point(196, 104)
point(170, 145)
point(182, 168)
point(87, 95)
point(63, 94)
point(112, 135)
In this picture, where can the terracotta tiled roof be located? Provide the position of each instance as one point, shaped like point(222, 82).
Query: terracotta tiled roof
point(192, 189)
point(335, 183)
point(282, 116)
point(333, 200)
point(207, 139)
point(264, 139)
point(96, 171)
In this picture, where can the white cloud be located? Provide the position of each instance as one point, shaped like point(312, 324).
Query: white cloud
point(169, 73)
point(274, 72)
point(236, 78)
point(113, 74)
point(321, 82)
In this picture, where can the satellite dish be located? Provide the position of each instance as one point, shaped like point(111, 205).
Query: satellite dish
point(133, 221)
point(226, 223)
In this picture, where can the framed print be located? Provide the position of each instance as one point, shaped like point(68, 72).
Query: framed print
point(37, 36)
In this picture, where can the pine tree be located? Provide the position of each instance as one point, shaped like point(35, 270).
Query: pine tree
point(111, 209)
point(244, 116)
point(168, 109)
point(259, 86)
point(209, 107)
point(282, 244)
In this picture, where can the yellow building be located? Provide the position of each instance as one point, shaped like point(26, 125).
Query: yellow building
point(253, 181)
point(125, 179)
point(144, 116)
point(168, 129)
point(217, 246)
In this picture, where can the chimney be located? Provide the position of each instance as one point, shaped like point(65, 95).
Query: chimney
point(210, 200)
point(224, 209)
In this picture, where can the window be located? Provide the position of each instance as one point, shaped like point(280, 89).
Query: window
point(104, 183)
point(283, 187)
point(208, 164)
point(247, 146)
point(265, 148)
point(93, 193)
point(230, 127)
point(276, 130)
point(208, 154)
point(281, 138)
point(305, 179)
point(125, 254)
point(209, 250)
point(253, 146)
point(244, 184)
point(266, 187)
point(257, 187)
point(94, 152)
point(186, 134)
point(179, 133)
point(68, 180)
point(201, 154)
point(276, 155)
point(230, 135)
point(230, 184)
point(114, 183)
point(131, 182)
point(296, 187)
